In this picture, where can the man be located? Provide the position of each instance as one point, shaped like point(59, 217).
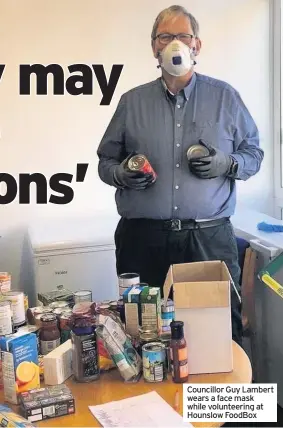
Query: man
point(184, 215)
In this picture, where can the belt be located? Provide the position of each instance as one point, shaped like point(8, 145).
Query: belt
point(177, 225)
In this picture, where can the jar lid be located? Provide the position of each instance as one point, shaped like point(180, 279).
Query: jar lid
point(48, 318)
point(82, 308)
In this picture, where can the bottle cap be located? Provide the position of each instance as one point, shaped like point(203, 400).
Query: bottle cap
point(177, 330)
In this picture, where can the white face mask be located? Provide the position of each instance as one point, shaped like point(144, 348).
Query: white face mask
point(176, 58)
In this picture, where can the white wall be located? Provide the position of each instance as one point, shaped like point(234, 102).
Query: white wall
point(51, 134)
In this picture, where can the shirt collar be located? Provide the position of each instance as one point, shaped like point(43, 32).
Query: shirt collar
point(187, 89)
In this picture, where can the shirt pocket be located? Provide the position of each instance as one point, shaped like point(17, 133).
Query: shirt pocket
point(214, 133)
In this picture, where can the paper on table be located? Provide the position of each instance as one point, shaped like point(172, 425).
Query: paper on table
point(146, 410)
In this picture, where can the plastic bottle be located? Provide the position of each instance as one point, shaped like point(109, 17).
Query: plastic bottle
point(178, 353)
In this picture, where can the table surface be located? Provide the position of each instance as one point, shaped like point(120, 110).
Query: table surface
point(111, 387)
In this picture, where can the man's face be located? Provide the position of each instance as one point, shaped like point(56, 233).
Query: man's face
point(180, 25)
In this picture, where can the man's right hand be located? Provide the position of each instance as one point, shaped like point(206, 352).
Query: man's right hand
point(131, 179)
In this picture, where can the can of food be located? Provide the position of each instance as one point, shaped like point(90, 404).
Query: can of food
point(65, 327)
point(154, 362)
point(167, 315)
point(60, 304)
point(126, 280)
point(197, 151)
point(82, 296)
point(166, 342)
point(18, 306)
point(6, 318)
point(141, 163)
point(5, 282)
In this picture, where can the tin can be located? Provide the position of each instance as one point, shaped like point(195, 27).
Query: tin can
point(141, 163)
point(65, 327)
point(154, 361)
point(197, 151)
point(5, 282)
point(6, 318)
point(18, 306)
point(113, 305)
point(167, 315)
point(83, 296)
point(126, 280)
point(166, 340)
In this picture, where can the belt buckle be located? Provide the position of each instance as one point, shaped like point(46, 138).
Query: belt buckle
point(176, 225)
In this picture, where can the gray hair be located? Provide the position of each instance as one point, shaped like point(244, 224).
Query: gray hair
point(175, 10)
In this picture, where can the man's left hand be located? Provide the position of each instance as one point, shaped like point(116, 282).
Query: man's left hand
point(214, 165)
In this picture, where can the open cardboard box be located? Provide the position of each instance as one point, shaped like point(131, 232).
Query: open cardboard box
point(202, 299)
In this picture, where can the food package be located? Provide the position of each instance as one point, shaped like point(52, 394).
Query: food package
point(8, 418)
point(119, 346)
point(56, 296)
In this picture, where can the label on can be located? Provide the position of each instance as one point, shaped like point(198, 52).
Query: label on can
point(6, 326)
point(48, 346)
point(154, 362)
point(18, 306)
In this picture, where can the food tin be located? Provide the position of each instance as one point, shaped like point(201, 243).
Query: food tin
point(166, 342)
point(6, 318)
point(154, 362)
point(126, 280)
point(167, 315)
point(65, 326)
point(5, 282)
point(82, 296)
point(197, 151)
point(141, 163)
point(18, 306)
point(113, 305)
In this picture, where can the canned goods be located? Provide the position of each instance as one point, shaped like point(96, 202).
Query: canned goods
point(6, 318)
point(121, 310)
point(18, 306)
point(126, 280)
point(83, 296)
point(197, 151)
point(113, 305)
point(65, 327)
point(167, 315)
point(154, 362)
point(141, 163)
point(5, 282)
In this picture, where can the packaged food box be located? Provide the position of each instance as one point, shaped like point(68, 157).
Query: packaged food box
point(46, 403)
point(8, 418)
point(150, 301)
point(20, 370)
point(131, 298)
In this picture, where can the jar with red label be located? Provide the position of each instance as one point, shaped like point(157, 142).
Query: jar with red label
point(49, 335)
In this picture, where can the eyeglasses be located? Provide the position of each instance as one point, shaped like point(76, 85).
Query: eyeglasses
point(166, 38)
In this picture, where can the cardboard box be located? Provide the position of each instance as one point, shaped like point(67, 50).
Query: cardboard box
point(201, 293)
point(58, 364)
point(131, 298)
point(45, 403)
point(20, 367)
point(150, 300)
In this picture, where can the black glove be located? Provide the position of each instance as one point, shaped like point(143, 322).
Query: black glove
point(214, 165)
point(131, 179)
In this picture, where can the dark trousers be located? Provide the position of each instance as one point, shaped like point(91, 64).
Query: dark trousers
point(148, 250)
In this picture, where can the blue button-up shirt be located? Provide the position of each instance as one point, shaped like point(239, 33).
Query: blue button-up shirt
point(151, 121)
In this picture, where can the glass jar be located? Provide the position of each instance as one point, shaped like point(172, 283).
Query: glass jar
point(85, 358)
point(49, 335)
point(146, 335)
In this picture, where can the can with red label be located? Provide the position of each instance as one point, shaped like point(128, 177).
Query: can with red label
point(141, 163)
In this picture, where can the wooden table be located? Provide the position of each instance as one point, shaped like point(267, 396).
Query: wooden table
point(111, 387)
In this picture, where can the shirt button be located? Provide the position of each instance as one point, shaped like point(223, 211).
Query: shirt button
point(175, 208)
point(177, 165)
point(178, 145)
point(178, 124)
point(177, 187)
